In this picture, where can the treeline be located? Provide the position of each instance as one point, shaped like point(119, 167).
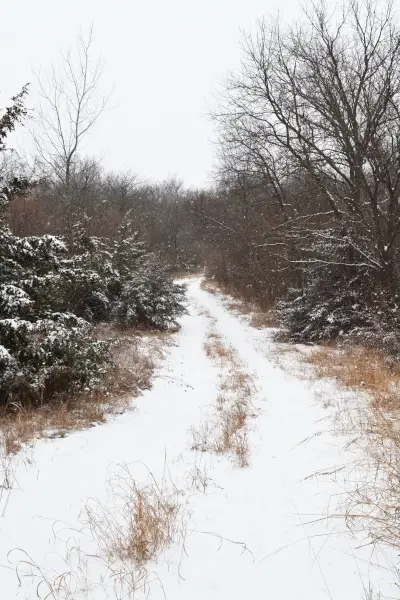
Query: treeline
point(160, 213)
point(59, 279)
point(309, 140)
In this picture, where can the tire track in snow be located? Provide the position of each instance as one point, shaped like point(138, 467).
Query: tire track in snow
point(225, 431)
point(271, 506)
point(290, 526)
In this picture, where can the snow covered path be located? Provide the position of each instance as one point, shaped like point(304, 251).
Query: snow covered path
point(272, 506)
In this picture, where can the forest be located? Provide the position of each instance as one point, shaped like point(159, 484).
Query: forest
point(303, 218)
point(258, 316)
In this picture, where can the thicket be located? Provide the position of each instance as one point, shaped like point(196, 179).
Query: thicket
point(161, 213)
point(309, 133)
point(55, 288)
point(305, 212)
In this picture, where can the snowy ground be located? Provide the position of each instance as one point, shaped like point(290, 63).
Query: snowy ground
point(255, 532)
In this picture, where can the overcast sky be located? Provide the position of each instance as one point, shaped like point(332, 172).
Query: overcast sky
point(165, 59)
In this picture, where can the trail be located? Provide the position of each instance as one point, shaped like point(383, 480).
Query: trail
point(256, 532)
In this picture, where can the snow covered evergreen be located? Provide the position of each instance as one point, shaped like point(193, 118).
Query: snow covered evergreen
point(340, 298)
point(51, 293)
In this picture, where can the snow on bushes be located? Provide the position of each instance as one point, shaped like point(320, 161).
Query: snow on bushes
point(52, 291)
point(340, 299)
point(47, 349)
point(143, 292)
point(148, 297)
point(49, 298)
point(49, 357)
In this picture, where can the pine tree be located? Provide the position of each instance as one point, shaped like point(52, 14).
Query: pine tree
point(45, 349)
point(145, 293)
point(339, 298)
point(128, 251)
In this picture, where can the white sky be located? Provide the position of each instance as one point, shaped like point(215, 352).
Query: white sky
point(165, 59)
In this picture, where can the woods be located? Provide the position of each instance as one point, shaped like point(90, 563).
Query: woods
point(54, 288)
point(303, 217)
point(312, 119)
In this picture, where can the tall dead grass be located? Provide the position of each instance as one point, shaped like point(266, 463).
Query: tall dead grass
point(371, 416)
point(361, 368)
point(227, 433)
point(109, 553)
point(216, 350)
point(142, 521)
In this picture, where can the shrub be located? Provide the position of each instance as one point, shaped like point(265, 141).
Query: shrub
point(46, 348)
point(48, 358)
point(48, 298)
point(341, 300)
point(149, 298)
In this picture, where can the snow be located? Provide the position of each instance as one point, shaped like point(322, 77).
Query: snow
point(273, 507)
point(4, 353)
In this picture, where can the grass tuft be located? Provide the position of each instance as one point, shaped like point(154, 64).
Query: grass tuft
point(228, 432)
point(143, 522)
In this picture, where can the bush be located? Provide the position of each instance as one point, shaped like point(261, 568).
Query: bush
point(48, 297)
point(149, 298)
point(48, 358)
point(341, 301)
point(46, 348)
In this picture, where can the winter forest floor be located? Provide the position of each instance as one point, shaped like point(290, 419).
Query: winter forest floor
point(239, 474)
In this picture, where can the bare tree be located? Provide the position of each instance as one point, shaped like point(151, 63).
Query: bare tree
point(120, 188)
point(69, 108)
point(322, 100)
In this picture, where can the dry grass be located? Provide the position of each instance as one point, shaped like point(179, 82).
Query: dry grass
point(198, 479)
point(227, 436)
point(371, 418)
point(134, 354)
point(360, 368)
point(233, 434)
point(215, 349)
point(25, 425)
point(228, 433)
point(373, 507)
point(238, 382)
point(142, 521)
point(367, 412)
point(109, 553)
point(259, 317)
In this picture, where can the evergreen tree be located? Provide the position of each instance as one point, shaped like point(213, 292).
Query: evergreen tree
point(339, 298)
point(146, 295)
point(45, 349)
